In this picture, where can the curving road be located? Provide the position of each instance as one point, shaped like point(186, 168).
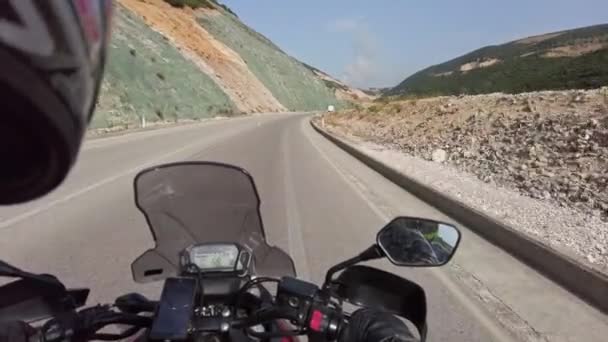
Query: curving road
point(318, 203)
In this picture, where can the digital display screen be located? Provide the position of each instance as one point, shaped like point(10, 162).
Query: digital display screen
point(214, 257)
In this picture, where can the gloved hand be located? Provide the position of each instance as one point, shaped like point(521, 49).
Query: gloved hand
point(368, 325)
point(16, 331)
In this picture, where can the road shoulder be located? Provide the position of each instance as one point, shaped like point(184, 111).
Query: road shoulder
point(497, 281)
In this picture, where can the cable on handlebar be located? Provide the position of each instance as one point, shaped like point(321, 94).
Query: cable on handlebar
point(248, 285)
point(136, 321)
point(256, 281)
point(199, 272)
point(263, 316)
point(86, 323)
point(258, 317)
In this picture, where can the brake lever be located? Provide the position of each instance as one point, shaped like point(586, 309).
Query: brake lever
point(48, 280)
point(83, 325)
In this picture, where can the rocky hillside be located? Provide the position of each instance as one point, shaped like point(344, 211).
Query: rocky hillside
point(169, 62)
point(551, 145)
point(573, 59)
point(148, 77)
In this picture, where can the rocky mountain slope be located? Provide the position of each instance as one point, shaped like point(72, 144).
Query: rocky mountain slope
point(549, 145)
point(571, 59)
point(542, 157)
point(171, 63)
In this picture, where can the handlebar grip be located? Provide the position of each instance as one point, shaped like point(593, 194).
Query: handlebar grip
point(18, 331)
point(368, 325)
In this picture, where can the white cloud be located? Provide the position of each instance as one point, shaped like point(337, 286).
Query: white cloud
point(364, 68)
point(360, 72)
point(345, 24)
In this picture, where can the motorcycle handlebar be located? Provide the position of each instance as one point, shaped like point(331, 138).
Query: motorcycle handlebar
point(317, 318)
point(259, 317)
point(83, 326)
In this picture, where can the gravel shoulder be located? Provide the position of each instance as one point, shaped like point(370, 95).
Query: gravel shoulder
point(576, 233)
point(98, 133)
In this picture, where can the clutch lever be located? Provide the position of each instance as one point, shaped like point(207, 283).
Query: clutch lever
point(135, 303)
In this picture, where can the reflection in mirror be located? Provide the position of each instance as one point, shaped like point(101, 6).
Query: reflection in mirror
point(409, 241)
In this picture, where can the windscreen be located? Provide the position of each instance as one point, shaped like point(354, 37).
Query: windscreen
point(191, 203)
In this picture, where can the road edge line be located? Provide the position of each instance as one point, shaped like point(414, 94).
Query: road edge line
point(576, 277)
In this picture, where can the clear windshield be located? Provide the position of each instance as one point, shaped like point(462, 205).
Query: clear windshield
point(190, 203)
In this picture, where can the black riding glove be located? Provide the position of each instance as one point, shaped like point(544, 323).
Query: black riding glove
point(368, 325)
point(16, 331)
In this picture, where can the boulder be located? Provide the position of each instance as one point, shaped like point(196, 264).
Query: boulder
point(439, 156)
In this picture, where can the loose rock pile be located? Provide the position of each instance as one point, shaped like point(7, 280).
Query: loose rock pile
point(547, 145)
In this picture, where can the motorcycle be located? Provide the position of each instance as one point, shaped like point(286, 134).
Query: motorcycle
point(222, 280)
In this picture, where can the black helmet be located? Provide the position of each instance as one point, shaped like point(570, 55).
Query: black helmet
point(52, 55)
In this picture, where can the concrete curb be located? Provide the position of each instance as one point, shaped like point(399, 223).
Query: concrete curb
point(578, 278)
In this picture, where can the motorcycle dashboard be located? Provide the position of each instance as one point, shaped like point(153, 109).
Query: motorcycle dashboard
point(215, 257)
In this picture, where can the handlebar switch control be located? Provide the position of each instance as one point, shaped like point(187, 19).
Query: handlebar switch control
point(298, 288)
point(324, 322)
point(295, 298)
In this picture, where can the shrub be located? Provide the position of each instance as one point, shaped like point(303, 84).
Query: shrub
point(199, 3)
point(227, 9)
point(190, 3)
point(374, 109)
point(396, 108)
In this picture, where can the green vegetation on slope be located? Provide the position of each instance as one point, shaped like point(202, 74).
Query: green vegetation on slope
point(147, 76)
point(520, 66)
point(294, 85)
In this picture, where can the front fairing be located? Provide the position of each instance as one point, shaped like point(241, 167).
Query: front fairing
point(201, 202)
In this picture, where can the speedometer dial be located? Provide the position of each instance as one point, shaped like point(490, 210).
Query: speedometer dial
point(216, 257)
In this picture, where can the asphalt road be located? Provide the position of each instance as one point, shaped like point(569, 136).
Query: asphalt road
point(318, 203)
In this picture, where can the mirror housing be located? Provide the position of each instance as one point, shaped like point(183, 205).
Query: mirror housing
point(418, 242)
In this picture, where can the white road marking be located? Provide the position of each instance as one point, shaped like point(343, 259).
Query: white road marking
point(49, 205)
point(294, 229)
point(35, 211)
point(480, 315)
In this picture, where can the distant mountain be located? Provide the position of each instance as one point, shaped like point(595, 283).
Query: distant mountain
point(568, 59)
point(343, 91)
point(376, 91)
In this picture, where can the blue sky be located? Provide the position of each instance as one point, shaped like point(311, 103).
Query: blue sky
point(380, 42)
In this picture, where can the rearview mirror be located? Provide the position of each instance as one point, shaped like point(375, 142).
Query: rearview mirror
point(410, 241)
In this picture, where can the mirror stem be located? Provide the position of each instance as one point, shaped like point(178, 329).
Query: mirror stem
point(373, 252)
